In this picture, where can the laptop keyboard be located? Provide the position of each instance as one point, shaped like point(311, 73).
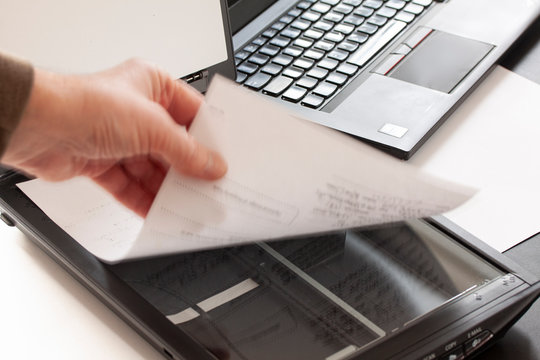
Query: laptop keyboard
point(318, 46)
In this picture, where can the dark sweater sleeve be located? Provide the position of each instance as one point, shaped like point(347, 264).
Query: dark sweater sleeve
point(16, 79)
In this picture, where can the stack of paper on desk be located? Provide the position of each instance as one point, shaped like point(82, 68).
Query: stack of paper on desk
point(286, 177)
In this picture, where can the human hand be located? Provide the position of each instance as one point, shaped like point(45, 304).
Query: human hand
point(122, 128)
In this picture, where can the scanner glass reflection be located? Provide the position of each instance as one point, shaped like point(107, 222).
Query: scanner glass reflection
point(321, 297)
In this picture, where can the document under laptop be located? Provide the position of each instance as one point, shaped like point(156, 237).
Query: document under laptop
point(82, 37)
point(386, 71)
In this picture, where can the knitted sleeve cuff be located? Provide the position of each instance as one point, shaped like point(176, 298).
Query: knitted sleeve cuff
point(16, 79)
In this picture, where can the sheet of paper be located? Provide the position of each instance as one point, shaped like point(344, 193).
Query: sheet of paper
point(88, 214)
point(286, 177)
point(492, 143)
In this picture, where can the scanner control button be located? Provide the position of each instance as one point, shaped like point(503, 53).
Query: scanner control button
point(455, 354)
point(477, 342)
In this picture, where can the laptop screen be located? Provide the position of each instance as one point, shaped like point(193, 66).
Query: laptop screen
point(73, 36)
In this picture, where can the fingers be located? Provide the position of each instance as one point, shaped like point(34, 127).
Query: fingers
point(189, 157)
point(134, 183)
point(180, 99)
point(185, 103)
point(157, 128)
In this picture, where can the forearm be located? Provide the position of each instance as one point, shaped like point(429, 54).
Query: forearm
point(16, 79)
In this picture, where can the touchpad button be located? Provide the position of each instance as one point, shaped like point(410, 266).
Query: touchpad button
point(441, 61)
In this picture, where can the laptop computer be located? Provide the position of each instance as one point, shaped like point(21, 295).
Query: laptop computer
point(388, 72)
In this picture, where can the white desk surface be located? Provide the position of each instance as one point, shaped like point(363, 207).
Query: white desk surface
point(46, 314)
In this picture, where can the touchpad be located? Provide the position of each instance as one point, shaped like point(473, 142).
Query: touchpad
point(440, 61)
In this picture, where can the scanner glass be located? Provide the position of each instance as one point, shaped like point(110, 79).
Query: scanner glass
point(320, 297)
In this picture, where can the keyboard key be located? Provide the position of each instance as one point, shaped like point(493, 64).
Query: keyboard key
point(317, 73)
point(359, 38)
point(330, 2)
point(348, 46)
point(354, 20)
point(343, 9)
point(414, 9)
point(300, 24)
point(369, 29)
point(283, 60)
point(287, 19)
point(270, 33)
point(278, 26)
point(291, 33)
point(373, 4)
point(334, 37)
point(329, 64)
point(304, 63)
point(272, 69)
point(395, 4)
point(248, 68)
point(364, 11)
point(251, 48)
point(364, 53)
point(347, 69)
point(303, 43)
point(338, 55)
point(313, 34)
point(242, 55)
point(307, 82)
point(324, 45)
point(386, 11)
point(257, 81)
point(269, 50)
point(312, 101)
point(277, 85)
point(293, 72)
point(240, 77)
point(303, 5)
point(259, 59)
point(294, 94)
point(295, 12)
point(377, 20)
point(354, 3)
point(293, 51)
point(333, 17)
point(344, 29)
point(259, 41)
point(405, 16)
point(311, 16)
point(323, 25)
point(280, 41)
point(314, 54)
point(325, 89)
point(321, 8)
point(422, 2)
point(337, 78)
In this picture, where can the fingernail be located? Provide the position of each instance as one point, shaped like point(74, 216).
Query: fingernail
point(216, 166)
